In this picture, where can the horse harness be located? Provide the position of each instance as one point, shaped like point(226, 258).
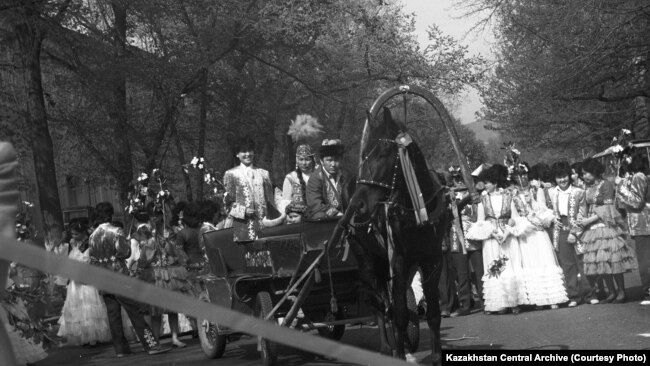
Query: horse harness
point(388, 207)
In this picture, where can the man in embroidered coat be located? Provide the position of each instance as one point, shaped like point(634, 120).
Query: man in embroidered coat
point(108, 248)
point(249, 194)
point(634, 194)
point(568, 205)
point(465, 252)
point(325, 186)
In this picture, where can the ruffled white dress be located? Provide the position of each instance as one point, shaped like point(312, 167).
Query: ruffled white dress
point(506, 290)
point(83, 318)
point(543, 276)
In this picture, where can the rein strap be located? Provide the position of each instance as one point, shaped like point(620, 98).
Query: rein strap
point(421, 216)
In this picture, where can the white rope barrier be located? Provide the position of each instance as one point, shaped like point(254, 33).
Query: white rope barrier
point(143, 292)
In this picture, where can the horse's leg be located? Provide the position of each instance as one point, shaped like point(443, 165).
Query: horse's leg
point(400, 308)
point(430, 279)
point(368, 277)
point(384, 345)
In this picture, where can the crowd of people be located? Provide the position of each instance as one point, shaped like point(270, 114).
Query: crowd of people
point(545, 236)
point(163, 245)
point(534, 237)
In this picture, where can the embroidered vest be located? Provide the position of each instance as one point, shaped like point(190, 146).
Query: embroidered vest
point(490, 215)
point(524, 208)
point(574, 209)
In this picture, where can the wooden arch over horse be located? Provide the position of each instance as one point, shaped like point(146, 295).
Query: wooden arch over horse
point(397, 218)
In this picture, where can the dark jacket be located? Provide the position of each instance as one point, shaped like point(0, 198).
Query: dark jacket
point(322, 195)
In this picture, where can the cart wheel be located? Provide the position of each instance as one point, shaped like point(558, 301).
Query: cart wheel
point(413, 329)
point(334, 332)
point(212, 343)
point(269, 351)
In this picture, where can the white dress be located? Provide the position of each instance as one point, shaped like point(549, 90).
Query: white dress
point(506, 290)
point(543, 277)
point(83, 318)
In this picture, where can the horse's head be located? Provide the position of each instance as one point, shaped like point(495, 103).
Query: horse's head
point(380, 173)
point(379, 151)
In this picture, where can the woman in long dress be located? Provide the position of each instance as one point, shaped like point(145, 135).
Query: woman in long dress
point(84, 319)
point(503, 285)
point(543, 276)
point(607, 253)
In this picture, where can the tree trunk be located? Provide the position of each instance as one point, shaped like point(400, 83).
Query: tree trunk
point(181, 158)
point(118, 114)
point(30, 38)
point(202, 122)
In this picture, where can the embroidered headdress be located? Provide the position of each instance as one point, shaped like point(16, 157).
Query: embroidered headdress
point(304, 151)
point(296, 207)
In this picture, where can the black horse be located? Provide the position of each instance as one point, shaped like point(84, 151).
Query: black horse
point(381, 210)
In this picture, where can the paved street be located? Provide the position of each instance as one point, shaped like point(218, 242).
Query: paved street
point(610, 326)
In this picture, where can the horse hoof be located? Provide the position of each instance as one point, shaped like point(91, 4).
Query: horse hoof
point(410, 358)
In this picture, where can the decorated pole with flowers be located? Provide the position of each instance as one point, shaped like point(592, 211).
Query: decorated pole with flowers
point(621, 149)
point(162, 196)
point(209, 176)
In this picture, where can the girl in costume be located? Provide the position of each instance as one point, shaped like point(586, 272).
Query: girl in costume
point(294, 188)
point(295, 183)
point(607, 253)
point(543, 276)
point(634, 194)
point(83, 319)
point(158, 264)
point(503, 281)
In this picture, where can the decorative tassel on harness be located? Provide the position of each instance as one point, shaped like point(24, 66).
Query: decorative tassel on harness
point(421, 216)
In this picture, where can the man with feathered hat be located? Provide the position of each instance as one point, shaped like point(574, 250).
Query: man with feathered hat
point(325, 187)
point(249, 194)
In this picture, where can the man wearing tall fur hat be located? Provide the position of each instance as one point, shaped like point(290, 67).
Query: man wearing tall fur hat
point(249, 194)
point(325, 187)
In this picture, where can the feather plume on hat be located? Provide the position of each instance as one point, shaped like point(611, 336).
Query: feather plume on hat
point(304, 127)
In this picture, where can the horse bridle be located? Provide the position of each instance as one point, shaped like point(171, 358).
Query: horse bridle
point(391, 195)
point(391, 186)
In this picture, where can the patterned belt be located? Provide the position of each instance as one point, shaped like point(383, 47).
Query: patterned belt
point(598, 225)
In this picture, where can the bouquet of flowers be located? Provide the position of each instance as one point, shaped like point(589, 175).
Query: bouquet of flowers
point(497, 266)
point(138, 196)
point(622, 146)
point(622, 149)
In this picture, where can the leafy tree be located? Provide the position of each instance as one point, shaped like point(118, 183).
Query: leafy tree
point(26, 24)
point(134, 85)
point(568, 72)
